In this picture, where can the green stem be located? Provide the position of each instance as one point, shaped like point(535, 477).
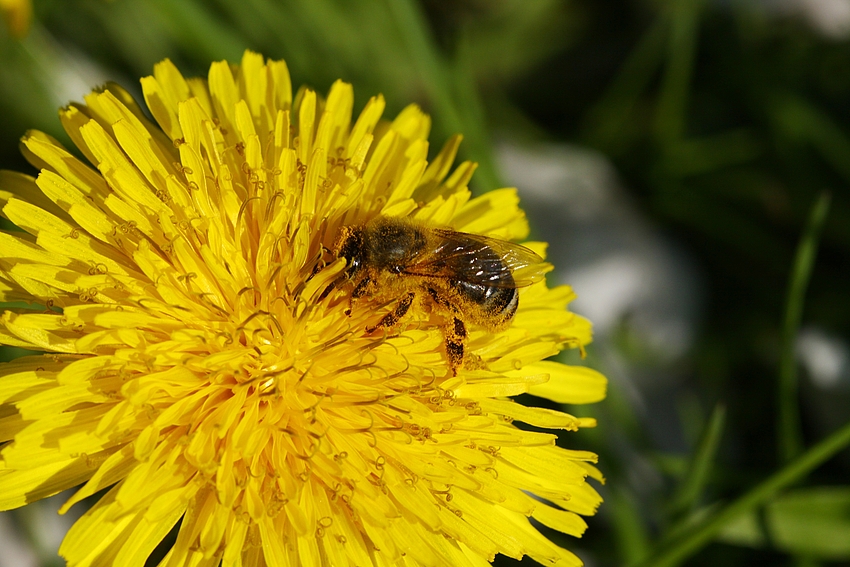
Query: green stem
point(699, 468)
point(701, 534)
point(789, 430)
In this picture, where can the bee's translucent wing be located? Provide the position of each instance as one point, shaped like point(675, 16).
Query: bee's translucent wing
point(480, 260)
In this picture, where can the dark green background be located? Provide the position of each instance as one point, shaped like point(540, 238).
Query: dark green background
point(725, 121)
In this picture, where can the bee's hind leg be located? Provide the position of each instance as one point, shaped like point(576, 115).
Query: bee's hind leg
point(393, 317)
point(455, 332)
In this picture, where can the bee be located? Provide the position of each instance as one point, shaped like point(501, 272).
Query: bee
point(467, 278)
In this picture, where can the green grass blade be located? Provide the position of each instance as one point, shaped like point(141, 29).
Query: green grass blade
point(688, 493)
point(630, 531)
point(694, 539)
point(811, 522)
point(440, 84)
point(607, 118)
point(789, 432)
point(799, 120)
point(682, 48)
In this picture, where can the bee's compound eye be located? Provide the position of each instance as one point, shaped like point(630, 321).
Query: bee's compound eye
point(396, 269)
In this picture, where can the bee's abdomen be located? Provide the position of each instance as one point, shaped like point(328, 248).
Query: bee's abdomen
point(502, 303)
point(497, 304)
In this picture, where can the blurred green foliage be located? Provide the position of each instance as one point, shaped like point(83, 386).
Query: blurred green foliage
point(725, 122)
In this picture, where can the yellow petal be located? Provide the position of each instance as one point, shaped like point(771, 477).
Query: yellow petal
point(569, 384)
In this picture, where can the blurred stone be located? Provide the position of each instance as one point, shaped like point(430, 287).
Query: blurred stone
point(640, 291)
point(30, 536)
point(826, 358)
point(626, 274)
point(825, 389)
point(14, 551)
point(830, 18)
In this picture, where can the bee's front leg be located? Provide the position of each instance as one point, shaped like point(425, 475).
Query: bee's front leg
point(455, 332)
point(364, 287)
point(330, 287)
point(393, 317)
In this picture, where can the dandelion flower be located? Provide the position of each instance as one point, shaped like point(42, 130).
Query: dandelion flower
point(199, 374)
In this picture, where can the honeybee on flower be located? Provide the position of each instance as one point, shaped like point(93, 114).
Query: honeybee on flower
point(214, 358)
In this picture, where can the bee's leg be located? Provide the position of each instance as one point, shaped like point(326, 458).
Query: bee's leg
point(455, 341)
point(329, 289)
point(455, 331)
point(338, 281)
point(362, 288)
point(393, 317)
point(438, 299)
point(318, 264)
